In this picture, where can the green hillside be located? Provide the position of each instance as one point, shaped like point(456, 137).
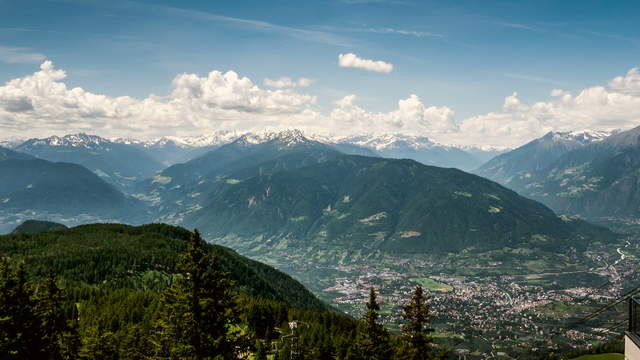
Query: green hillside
point(598, 180)
point(371, 204)
point(37, 226)
point(118, 282)
point(61, 188)
point(144, 257)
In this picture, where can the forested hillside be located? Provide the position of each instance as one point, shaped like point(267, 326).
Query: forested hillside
point(109, 291)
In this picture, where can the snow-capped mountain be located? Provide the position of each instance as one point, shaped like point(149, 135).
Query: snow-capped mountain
point(117, 163)
point(391, 141)
point(419, 148)
point(537, 154)
point(584, 137)
point(80, 140)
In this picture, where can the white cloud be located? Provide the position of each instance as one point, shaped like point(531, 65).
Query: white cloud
point(41, 104)
point(411, 117)
point(287, 82)
point(352, 60)
point(616, 106)
point(629, 84)
point(15, 55)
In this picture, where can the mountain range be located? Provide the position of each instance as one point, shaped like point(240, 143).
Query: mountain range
point(520, 163)
point(149, 156)
point(369, 205)
point(118, 164)
point(288, 187)
point(36, 186)
point(591, 175)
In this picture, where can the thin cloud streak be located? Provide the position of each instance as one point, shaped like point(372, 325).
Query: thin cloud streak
point(533, 78)
point(415, 33)
point(19, 55)
point(303, 34)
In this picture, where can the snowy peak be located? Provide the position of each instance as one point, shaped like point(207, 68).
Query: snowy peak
point(214, 139)
point(286, 138)
point(391, 141)
point(583, 137)
point(72, 140)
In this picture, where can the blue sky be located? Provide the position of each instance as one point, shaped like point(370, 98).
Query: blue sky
point(464, 55)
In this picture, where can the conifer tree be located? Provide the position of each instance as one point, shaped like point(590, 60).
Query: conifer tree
point(53, 322)
point(19, 323)
point(416, 341)
point(373, 339)
point(200, 311)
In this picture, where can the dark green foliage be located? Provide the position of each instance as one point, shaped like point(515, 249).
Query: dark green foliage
point(143, 258)
point(199, 310)
point(37, 226)
point(416, 341)
point(33, 324)
point(20, 336)
point(53, 320)
point(113, 277)
point(373, 342)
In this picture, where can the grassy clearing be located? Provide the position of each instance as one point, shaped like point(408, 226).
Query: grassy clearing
point(432, 285)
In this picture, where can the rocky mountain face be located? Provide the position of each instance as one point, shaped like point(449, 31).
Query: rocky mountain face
point(519, 164)
point(597, 180)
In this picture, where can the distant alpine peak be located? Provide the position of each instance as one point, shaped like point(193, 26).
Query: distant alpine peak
point(391, 141)
point(581, 136)
point(286, 137)
point(72, 140)
point(215, 138)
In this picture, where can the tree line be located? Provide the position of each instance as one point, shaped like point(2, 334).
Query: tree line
point(198, 315)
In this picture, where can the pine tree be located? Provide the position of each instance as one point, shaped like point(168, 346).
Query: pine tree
point(200, 311)
point(416, 341)
point(19, 323)
point(53, 322)
point(99, 345)
point(373, 339)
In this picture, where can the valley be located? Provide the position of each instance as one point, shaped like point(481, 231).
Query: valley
point(504, 273)
point(509, 301)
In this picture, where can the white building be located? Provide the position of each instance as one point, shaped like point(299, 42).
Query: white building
point(632, 337)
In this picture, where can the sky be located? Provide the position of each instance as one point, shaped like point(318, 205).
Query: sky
point(487, 73)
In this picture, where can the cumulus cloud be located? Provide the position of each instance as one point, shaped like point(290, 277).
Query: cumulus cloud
point(352, 60)
point(411, 117)
point(41, 104)
point(287, 82)
point(628, 84)
point(615, 106)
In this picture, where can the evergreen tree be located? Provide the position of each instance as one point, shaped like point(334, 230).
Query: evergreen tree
point(19, 323)
point(53, 322)
point(99, 345)
point(71, 343)
point(373, 341)
point(200, 311)
point(416, 341)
